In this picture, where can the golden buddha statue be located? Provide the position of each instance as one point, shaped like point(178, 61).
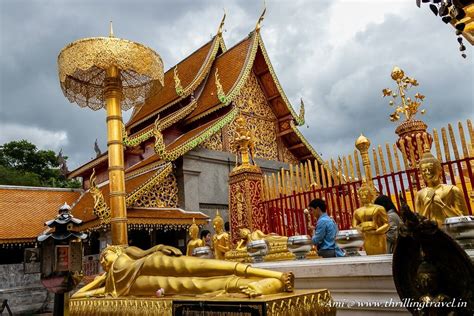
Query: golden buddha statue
point(277, 246)
point(195, 240)
point(437, 201)
point(221, 239)
point(274, 240)
point(372, 221)
point(130, 271)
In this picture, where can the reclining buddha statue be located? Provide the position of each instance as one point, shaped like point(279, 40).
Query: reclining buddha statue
point(130, 271)
point(278, 249)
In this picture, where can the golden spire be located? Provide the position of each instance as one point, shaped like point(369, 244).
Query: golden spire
point(221, 26)
point(262, 16)
point(407, 106)
point(111, 31)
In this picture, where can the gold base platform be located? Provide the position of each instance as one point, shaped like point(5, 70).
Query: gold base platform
point(300, 302)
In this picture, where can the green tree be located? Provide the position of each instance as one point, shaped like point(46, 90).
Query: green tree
point(21, 163)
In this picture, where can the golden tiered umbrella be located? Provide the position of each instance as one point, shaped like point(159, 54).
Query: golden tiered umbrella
point(116, 74)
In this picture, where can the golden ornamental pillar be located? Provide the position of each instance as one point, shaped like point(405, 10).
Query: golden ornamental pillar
point(412, 133)
point(116, 74)
point(363, 144)
point(113, 96)
point(245, 186)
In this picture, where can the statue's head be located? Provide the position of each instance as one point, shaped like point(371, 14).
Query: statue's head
point(194, 230)
point(430, 167)
point(109, 255)
point(244, 233)
point(366, 193)
point(218, 222)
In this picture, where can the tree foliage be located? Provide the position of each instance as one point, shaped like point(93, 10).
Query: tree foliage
point(22, 163)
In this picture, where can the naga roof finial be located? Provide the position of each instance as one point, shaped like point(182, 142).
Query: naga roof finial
point(262, 16)
point(221, 26)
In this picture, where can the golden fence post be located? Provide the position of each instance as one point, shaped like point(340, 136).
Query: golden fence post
point(357, 163)
point(311, 174)
point(445, 144)
point(323, 175)
point(437, 145)
point(382, 160)
point(397, 159)
point(316, 173)
point(389, 157)
point(329, 173)
point(453, 142)
point(376, 162)
point(346, 168)
point(470, 132)
point(351, 168)
point(465, 149)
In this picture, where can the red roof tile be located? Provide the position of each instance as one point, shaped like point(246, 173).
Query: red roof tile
point(23, 210)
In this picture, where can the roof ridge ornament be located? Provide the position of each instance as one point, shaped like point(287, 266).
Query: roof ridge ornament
point(221, 26)
point(220, 91)
point(300, 119)
point(177, 83)
point(262, 16)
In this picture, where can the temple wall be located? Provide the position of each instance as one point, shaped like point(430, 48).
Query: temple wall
point(24, 292)
point(203, 176)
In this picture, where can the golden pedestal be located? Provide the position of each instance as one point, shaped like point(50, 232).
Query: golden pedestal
point(300, 302)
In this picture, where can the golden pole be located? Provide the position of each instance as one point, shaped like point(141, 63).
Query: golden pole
point(113, 95)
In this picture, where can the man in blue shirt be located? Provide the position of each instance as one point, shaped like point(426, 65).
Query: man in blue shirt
point(325, 231)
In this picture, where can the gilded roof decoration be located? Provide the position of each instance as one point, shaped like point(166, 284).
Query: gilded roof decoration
point(177, 83)
point(165, 122)
point(191, 139)
point(100, 209)
point(146, 187)
point(220, 91)
point(193, 70)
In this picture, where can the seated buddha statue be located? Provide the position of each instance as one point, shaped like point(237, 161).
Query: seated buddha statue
point(130, 271)
point(437, 201)
point(195, 242)
point(221, 239)
point(372, 221)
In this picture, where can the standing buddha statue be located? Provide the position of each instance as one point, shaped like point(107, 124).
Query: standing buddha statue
point(221, 239)
point(195, 240)
point(372, 221)
point(437, 201)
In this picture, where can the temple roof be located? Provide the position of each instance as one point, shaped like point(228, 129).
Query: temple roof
point(191, 71)
point(24, 210)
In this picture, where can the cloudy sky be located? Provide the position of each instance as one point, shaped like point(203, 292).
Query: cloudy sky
point(336, 54)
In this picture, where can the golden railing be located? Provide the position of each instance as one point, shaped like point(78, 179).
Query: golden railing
point(288, 192)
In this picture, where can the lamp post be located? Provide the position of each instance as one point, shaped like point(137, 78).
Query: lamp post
point(116, 74)
point(61, 257)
